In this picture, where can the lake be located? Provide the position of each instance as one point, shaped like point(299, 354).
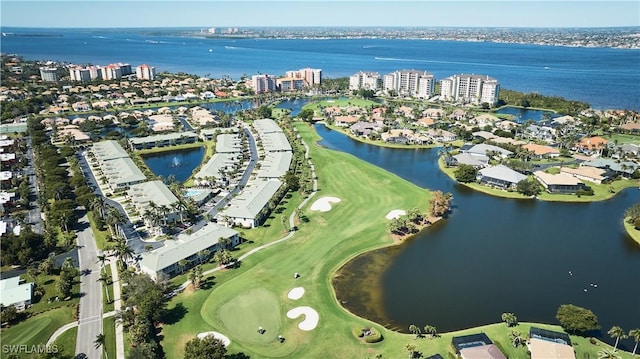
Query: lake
point(179, 163)
point(493, 255)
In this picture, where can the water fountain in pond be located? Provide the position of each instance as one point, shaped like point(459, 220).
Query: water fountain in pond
point(176, 162)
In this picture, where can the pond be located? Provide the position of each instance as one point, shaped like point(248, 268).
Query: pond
point(493, 255)
point(521, 115)
point(179, 163)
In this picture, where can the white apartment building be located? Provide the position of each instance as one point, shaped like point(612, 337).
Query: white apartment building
point(111, 72)
point(365, 80)
point(472, 88)
point(145, 72)
point(79, 74)
point(412, 83)
point(49, 74)
point(263, 83)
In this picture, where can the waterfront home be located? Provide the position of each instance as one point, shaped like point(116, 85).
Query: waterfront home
point(476, 346)
point(217, 168)
point(586, 173)
point(625, 169)
point(435, 113)
point(506, 125)
point(250, 208)
point(80, 106)
point(485, 149)
point(345, 121)
point(163, 263)
point(484, 135)
point(405, 111)
point(500, 176)
point(161, 123)
point(559, 183)
point(15, 292)
point(547, 344)
point(399, 136)
point(441, 135)
point(540, 151)
point(465, 158)
point(362, 128)
point(72, 134)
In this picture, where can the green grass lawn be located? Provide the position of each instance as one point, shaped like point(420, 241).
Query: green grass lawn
point(100, 236)
point(109, 331)
point(37, 329)
point(66, 343)
point(621, 138)
point(342, 103)
point(236, 301)
point(632, 231)
point(107, 292)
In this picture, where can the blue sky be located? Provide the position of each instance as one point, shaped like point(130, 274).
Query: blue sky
point(218, 13)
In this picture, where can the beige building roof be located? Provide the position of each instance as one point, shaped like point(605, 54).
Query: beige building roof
point(541, 149)
point(544, 349)
point(557, 179)
point(490, 351)
point(597, 174)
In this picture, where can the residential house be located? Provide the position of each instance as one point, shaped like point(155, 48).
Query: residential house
point(441, 135)
point(485, 149)
point(540, 151)
point(559, 183)
point(547, 344)
point(484, 135)
point(425, 121)
point(592, 145)
point(586, 173)
point(399, 136)
point(435, 113)
point(616, 168)
point(250, 207)
point(345, 121)
point(362, 128)
point(485, 120)
point(476, 346)
point(500, 176)
point(465, 158)
point(16, 292)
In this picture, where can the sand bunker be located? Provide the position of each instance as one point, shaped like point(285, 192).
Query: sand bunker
point(296, 293)
point(324, 204)
point(311, 317)
point(226, 341)
point(396, 213)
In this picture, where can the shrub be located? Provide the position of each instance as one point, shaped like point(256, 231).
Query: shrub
point(357, 332)
point(375, 337)
point(586, 191)
point(636, 223)
point(593, 341)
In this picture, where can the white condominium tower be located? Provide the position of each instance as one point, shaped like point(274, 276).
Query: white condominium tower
point(365, 80)
point(412, 83)
point(466, 88)
point(145, 72)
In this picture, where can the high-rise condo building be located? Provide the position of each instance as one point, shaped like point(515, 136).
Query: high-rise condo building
point(412, 83)
point(112, 72)
point(365, 80)
point(49, 74)
point(475, 89)
point(263, 83)
point(78, 73)
point(145, 72)
point(312, 77)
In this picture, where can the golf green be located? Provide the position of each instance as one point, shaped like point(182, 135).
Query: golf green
point(243, 314)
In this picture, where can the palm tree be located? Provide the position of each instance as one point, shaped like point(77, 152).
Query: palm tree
point(102, 259)
point(193, 277)
point(122, 251)
point(47, 265)
point(225, 243)
point(32, 272)
point(635, 334)
point(114, 218)
point(411, 349)
point(431, 330)
point(415, 330)
point(608, 354)
point(616, 332)
point(104, 278)
point(99, 343)
point(510, 319)
point(182, 264)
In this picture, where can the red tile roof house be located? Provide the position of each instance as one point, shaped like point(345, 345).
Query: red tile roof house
point(592, 145)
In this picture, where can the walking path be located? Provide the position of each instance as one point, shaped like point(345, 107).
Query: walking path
point(117, 305)
point(68, 326)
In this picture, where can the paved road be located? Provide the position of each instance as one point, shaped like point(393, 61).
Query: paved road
point(134, 241)
point(253, 150)
point(33, 217)
point(90, 318)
